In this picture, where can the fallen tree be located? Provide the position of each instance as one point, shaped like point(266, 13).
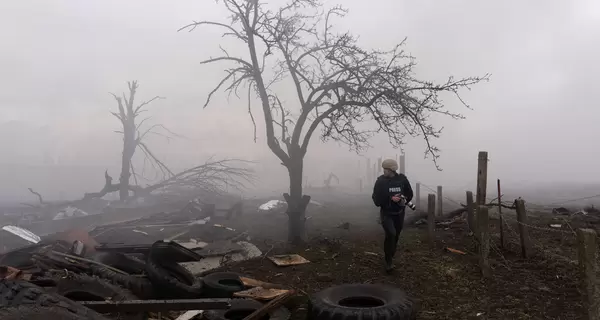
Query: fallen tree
point(214, 176)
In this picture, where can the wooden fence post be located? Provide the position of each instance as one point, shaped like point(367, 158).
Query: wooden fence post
point(484, 240)
point(586, 241)
point(402, 164)
point(417, 196)
point(440, 200)
point(471, 213)
point(482, 177)
point(523, 228)
point(431, 218)
point(502, 227)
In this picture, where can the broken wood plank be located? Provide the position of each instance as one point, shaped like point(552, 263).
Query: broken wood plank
point(285, 260)
point(270, 306)
point(249, 282)
point(260, 293)
point(157, 305)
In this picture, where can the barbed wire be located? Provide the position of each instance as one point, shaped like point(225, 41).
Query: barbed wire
point(538, 227)
point(562, 202)
point(435, 191)
point(528, 202)
point(539, 246)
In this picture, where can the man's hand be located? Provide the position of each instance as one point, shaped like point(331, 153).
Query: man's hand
point(396, 198)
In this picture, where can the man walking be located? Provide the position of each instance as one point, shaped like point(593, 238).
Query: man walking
point(391, 193)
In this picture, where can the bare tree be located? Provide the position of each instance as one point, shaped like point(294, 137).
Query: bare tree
point(338, 85)
point(133, 136)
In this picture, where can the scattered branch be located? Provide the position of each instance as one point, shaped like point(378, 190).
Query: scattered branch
point(40, 199)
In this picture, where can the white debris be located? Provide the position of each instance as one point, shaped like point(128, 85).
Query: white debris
point(201, 221)
point(272, 204)
point(70, 212)
point(23, 233)
point(556, 226)
point(193, 244)
point(249, 251)
point(189, 315)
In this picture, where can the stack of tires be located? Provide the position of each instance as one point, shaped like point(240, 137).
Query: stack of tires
point(118, 277)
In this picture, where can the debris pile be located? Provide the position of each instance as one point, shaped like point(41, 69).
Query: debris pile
point(158, 267)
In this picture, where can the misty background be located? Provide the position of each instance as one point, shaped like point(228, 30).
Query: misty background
point(537, 117)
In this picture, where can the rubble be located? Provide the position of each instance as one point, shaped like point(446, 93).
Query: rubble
point(159, 264)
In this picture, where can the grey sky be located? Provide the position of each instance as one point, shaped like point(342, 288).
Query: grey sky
point(537, 117)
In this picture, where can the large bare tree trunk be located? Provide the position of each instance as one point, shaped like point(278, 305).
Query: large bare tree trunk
point(297, 204)
point(129, 146)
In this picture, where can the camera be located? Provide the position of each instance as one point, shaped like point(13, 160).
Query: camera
point(411, 205)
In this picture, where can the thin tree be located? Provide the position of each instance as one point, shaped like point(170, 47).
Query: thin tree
point(133, 136)
point(338, 86)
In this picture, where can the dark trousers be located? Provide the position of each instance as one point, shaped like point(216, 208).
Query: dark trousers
point(392, 225)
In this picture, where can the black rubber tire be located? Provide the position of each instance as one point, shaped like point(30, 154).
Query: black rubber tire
point(361, 301)
point(86, 288)
point(15, 293)
point(141, 287)
point(222, 284)
point(172, 280)
point(124, 262)
point(241, 308)
point(39, 313)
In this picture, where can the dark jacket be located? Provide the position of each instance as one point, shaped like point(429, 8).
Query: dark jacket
point(386, 187)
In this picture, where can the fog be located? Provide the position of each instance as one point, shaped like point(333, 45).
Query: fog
point(537, 117)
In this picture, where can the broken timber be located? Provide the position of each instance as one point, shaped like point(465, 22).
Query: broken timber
point(157, 305)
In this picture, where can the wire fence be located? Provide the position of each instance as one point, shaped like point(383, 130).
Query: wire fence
point(552, 236)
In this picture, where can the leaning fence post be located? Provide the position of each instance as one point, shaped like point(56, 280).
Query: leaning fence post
point(586, 241)
point(484, 240)
point(471, 213)
point(439, 201)
point(431, 218)
point(523, 229)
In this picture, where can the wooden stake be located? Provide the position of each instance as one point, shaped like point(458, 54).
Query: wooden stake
point(482, 164)
point(502, 228)
point(484, 240)
point(523, 228)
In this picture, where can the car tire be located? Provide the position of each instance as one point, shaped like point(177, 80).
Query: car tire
point(361, 301)
point(86, 288)
point(222, 284)
point(22, 294)
point(171, 279)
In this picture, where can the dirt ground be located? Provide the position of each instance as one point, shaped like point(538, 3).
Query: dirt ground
point(445, 285)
